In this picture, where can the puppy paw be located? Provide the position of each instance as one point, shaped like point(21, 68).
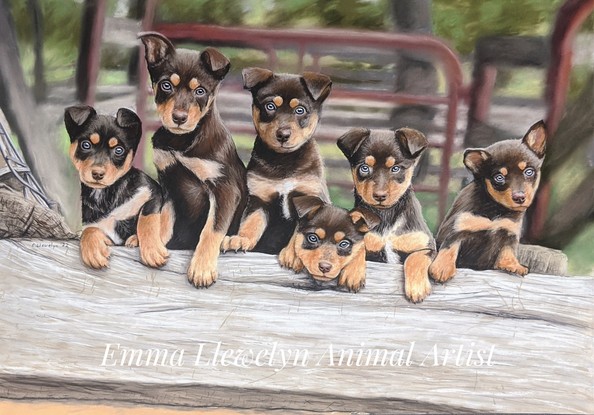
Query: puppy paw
point(237, 243)
point(417, 289)
point(514, 269)
point(94, 248)
point(201, 273)
point(288, 259)
point(352, 280)
point(442, 272)
point(373, 242)
point(132, 242)
point(154, 255)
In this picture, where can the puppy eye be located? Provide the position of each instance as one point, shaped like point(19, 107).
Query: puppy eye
point(344, 244)
point(312, 238)
point(499, 178)
point(300, 110)
point(395, 169)
point(200, 91)
point(364, 169)
point(119, 151)
point(270, 107)
point(86, 145)
point(529, 172)
point(166, 86)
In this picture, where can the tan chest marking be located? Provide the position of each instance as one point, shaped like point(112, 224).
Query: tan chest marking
point(205, 170)
point(267, 189)
point(468, 222)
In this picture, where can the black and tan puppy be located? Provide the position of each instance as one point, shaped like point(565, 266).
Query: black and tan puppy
point(202, 177)
point(382, 164)
point(328, 242)
point(285, 160)
point(120, 204)
point(482, 229)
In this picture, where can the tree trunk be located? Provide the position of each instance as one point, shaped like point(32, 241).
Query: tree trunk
point(38, 138)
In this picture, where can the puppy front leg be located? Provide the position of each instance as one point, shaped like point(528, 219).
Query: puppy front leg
point(507, 261)
point(152, 249)
point(353, 275)
point(202, 271)
point(253, 225)
point(94, 248)
point(416, 277)
point(443, 267)
point(288, 258)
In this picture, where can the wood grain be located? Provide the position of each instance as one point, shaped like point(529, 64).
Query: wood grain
point(56, 318)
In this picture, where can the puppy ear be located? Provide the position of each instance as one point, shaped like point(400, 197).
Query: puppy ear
point(475, 160)
point(128, 120)
point(215, 62)
point(75, 117)
point(255, 76)
point(364, 219)
point(318, 85)
point(536, 139)
point(350, 142)
point(412, 141)
point(307, 205)
point(157, 48)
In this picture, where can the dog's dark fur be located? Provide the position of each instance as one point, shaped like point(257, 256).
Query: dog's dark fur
point(482, 229)
point(202, 176)
point(382, 163)
point(328, 242)
point(285, 160)
point(120, 204)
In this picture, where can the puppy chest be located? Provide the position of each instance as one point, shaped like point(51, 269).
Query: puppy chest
point(172, 162)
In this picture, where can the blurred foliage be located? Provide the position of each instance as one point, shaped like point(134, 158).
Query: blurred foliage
point(462, 22)
point(228, 12)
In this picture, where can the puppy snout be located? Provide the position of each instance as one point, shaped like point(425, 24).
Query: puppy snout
point(283, 134)
point(98, 174)
point(179, 117)
point(519, 197)
point(380, 195)
point(325, 266)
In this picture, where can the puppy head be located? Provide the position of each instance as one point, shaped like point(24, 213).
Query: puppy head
point(286, 108)
point(510, 169)
point(382, 162)
point(328, 237)
point(101, 147)
point(185, 82)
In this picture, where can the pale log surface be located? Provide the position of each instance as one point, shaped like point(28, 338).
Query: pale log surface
point(56, 318)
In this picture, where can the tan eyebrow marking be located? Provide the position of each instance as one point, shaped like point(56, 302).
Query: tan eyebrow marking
point(503, 171)
point(339, 236)
point(174, 78)
point(112, 142)
point(370, 161)
point(390, 161)
point(522, 165)
point(95, 138)
point(278, 101)
point(321, 233)
point(193, 84)
point(293, 103)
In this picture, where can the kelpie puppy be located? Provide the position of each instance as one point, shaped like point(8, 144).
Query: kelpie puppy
point(120, 204)
point(382, 164)
point(328, 242)
point(203, 179)
point(285, 160)
point(482, 229)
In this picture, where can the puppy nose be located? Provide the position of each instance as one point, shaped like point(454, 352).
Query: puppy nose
point(97, 174)
point(179, 117)
point(380, 196)
point(519, 197)
point(325, 266)
point(283, 134)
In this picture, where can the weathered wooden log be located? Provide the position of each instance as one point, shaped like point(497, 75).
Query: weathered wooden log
point(484, 342)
